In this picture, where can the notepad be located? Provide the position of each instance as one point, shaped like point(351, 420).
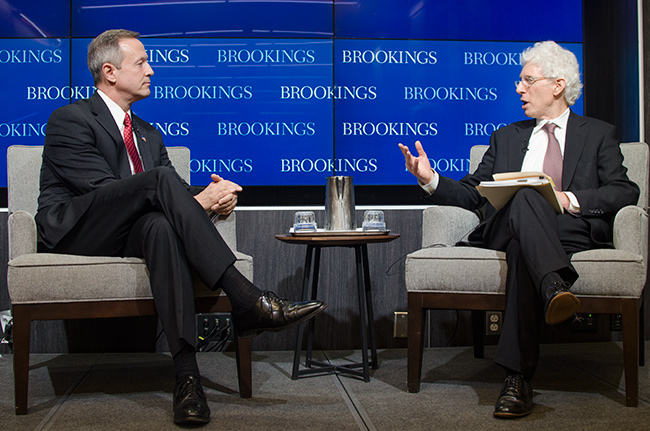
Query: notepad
point(505, 185)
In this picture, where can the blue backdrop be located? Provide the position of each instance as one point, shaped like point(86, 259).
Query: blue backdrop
point(289, 92)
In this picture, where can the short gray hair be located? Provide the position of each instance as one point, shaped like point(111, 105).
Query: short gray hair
point(556, 62)
point(105, 48)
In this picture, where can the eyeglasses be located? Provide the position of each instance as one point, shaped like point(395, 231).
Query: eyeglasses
point(528, 80)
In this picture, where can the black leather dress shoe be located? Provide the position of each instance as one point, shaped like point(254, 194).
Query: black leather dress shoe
point(516, 399)
point(560, 305)
point(190, 405)
point(271, 313)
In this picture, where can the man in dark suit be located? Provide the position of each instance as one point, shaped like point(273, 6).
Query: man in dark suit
point(108, 188)
point(591, 184)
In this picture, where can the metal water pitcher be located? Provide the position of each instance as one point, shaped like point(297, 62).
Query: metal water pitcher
point(339, 204)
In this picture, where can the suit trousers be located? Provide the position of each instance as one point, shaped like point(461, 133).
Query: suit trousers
point(151, 215)
point(537, 241)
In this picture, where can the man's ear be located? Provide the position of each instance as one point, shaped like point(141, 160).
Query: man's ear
point(108, 72)
point(560, 85)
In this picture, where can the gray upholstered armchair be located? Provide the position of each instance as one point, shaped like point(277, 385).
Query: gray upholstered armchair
point(45, 286)
point(443, 276)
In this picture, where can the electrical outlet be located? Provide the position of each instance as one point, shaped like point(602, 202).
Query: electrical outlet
point(585, 322)
point(205, 324)
point(210, 324)
point(616, 322)
point(493, 322)
point(400, 324)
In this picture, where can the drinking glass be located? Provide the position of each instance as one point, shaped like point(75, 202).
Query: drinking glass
point(304, 221)
point(373, 220)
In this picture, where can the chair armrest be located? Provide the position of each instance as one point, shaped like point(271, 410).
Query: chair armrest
point(227, 228)
point(446, 225)
point(22, 234)
point(630, 231)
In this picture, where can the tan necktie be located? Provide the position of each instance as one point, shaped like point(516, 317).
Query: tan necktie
point(553, 159)
point(130, 145)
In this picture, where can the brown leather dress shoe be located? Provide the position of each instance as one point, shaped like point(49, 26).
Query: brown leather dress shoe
point(560, 305)
point(190, 405)
point(271, 313)
point(516, 398)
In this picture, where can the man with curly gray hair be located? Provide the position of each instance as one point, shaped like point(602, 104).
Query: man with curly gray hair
point(583, 158)
point(555, 61)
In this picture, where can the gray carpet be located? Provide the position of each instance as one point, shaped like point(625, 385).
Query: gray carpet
point(577, 387)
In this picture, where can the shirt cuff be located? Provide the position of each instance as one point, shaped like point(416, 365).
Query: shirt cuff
point(433, 185)
point(574, 205)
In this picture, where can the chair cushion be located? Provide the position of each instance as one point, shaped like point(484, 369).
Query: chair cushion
point(606, 272)
point(438, 268)
point(47, 278)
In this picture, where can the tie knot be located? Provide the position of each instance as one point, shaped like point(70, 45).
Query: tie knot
point(127, 120)
point(549, 127)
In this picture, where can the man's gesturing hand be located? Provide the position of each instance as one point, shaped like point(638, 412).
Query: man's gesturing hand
point(418, 166)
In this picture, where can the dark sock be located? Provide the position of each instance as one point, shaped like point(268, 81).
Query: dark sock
point(511, 372)
point(550, 279)
point(242, 293)
point(185, 361)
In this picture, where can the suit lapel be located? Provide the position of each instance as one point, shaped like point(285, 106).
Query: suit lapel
point(576, 137)
point(518, 144)
point(106, 120)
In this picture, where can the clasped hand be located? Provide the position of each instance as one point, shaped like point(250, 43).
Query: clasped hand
point(219, 196)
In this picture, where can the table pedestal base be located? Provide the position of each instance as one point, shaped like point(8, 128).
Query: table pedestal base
point(361, 369)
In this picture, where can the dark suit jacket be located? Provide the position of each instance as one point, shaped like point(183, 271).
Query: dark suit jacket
point(592, 170)
point(83, 152)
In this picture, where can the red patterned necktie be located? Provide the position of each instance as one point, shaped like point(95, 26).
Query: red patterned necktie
point(553, 159)
point(130, 145)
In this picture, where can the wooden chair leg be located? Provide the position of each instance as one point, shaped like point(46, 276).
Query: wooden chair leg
point(22, 329)
point(478, 333)
point(243, 349)
point(416, 318)
point(642, 331)
point(630, 317)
